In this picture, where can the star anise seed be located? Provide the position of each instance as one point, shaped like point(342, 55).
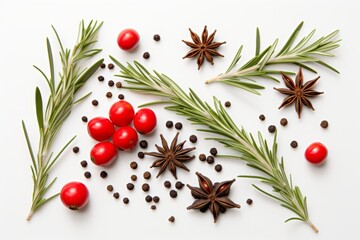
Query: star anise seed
point(171, 157)
point(212, 196)
point(204, 48)
point(298, 92)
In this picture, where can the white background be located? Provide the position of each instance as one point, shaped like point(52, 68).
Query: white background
point(332, 189)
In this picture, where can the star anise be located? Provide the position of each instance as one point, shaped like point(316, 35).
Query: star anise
point(204, 48)
point(212, 196)
point(298, 92)
point(171, 157)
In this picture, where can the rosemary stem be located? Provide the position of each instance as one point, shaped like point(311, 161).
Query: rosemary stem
point(313, 227)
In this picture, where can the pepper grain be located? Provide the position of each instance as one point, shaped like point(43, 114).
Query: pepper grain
point(179, 185)
point(178, 125)
point(116, 195)
point(110, 188)
point(76, 149)
point(202, 157)
point(218, 167)
point(133, 165)
point(133, 177)
point(167, 184)
point(143, 144)
point(173, 194)
point(95, 102)
point(121, 96)
point(156, 37)
point(262, 117)
point(111, 66)
point(324, 124)
point(227, 104)
point(283, 122)
point(147, 175)
point(130, 186)
point(146, 55)
point(210, 159)
point(294, 144)
point(193, 138)
point(145, 187)
point(271, 128)
point(84, 163)
point(103, 174)
point(84, 119)
point(169, 124)
point(87, 174)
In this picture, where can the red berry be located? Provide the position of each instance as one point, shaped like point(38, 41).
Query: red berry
point(316, 153)
point(121, 113)
point(125, 138)
point(145, 121)
point(128, 39)
point(103, 153)
point(74, 195)
point(100, 128)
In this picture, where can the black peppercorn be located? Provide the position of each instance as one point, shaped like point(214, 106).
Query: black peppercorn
point(218, 167)
point(193, 139)
point(76, 149)
point(249, 201)
point(130, 186)
point(110, 188)
point(118, 84)
point(324, 124)
point(156, 199)
point(95, 102)
point(143, 144)
point(283, 122)
point(202, 157)
point(210, 159)
point(146, 55)
point(103, 174)
point(271, 128)
point(84, 163)
point(121, 96)
point(111, 83)
point(153, 207)
point(147, 175)
point(179, 185)
point(169, 124)
point(126, 200)
point(227, 104)
point(172, 219)
point(133, 165)
point(178, 125)
point(116, 195)
point(213, 151)
point(84, 118)
point(111, 66)
point(141, 154)
point(145, 187)
point(262, 117)
point(101, 78)
point(294, 144)
point(167, 184)
point(103, 65)
point(87, 174)
point(148, 198)
point(109, 95)
point(156, 37)
point(133, 177)
point(173, 194)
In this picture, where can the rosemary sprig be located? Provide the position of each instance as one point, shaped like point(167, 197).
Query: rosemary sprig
point(301, 55)
point(61, 100)
point(256, 153)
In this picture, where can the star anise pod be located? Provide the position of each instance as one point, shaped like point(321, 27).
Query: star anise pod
point(204, 48)
point(298, 92)
point(171, 157)
point(212, 196)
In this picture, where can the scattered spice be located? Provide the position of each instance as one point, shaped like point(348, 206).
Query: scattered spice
point(148, 198)
point(156, 37)
point(153, 207)
point(156, 199)
point(110, 188)
point(133, 165)
point(294, 144)
point(202, 157)
point(179, 185)
point(171, 157)
point(103, 65)
point(193, 139)
point(227, 104)
point(111, 83)
point(203, 48)
point(298, 92)
point(109, 95)
point(324, 124)
point(116, 195)
point(76, 149)
point(118, 84)
point(110, 66)
point(173, 194)
point(212, 196)
point(249, 201)
point(210, 159)
point(146, 55)
point(178, 125)
point(262, 117)
point(95, 102)
point(130, 186)
point(126, 200)
point(213, 151)
point(84, 119)
point(84, 163)
point(145, 187)
point(218, 167)
point(147, 175)
point(121, 96)
point(271, 128)
point(283, 122)
point(143, 144)
point(172, 219)
point(141, 154)
point(167, 184)
point(103, 174)
point(133, 177)
point(169, 124)
point(101, 78)
point(87, 174)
